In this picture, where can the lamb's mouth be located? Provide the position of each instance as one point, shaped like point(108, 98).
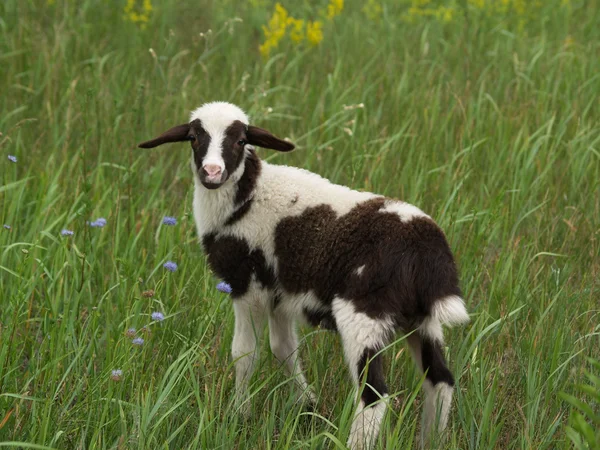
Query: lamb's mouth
point(212, 182)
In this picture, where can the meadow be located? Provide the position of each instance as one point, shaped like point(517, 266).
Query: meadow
point(484, 113)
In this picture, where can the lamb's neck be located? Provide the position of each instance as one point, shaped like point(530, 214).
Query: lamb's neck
point(214, 208)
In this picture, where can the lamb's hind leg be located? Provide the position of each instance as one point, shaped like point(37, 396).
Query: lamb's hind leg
point(363, 337)
point(439, 382)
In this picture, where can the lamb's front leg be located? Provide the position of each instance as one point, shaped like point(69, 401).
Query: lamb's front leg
point(284, 345)
point(250, 315)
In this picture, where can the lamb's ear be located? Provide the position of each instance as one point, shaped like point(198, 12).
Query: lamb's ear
point(175, 134)
point(262, 138)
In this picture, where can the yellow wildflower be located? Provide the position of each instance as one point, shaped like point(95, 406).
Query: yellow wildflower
point(334, 8)
point(297, 30)
point(314, 32)
point(138, 15)
point(275, 31)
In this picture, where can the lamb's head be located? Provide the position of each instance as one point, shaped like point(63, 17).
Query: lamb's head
point(220, 135)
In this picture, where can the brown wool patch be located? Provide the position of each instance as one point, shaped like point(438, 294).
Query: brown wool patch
point(408, 265)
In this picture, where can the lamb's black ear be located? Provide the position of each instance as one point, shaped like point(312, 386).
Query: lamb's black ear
point(175, 134)
point(262, 138)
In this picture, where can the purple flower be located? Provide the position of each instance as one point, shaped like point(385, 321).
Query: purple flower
point(158, 316)
point(98, 223)
point(116, 375)
point(170, 266)
point(224, 287)
point(12, 158)
point(168, 220)
point(137, 341)
point(66, 232)
point(7, 226)
point(130, 332)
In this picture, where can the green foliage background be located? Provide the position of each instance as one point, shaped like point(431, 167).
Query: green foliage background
point(489, 122)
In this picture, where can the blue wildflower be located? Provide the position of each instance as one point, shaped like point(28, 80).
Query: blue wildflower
point(12, 158)
point(137, 341)
point(66, 232)
point(168, 220)
point(116, 375)
point(158, 316)
point(98, 223)
point(7, 226)
point(130, 332)
point(224, 287)
point(170, 266)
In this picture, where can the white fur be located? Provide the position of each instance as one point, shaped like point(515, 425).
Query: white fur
point(359, 332)
point(432, 328)
point(284, 345)
point(450, 311)
point(217, 116)
point(250, 316)
point(359, 270)
point(405, 211)
point(366, 424)
point(438, 400)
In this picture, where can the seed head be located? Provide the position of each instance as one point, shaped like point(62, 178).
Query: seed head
point(148, 294)
point(130, 332)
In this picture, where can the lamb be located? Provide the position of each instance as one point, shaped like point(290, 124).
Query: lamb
point(294, 246)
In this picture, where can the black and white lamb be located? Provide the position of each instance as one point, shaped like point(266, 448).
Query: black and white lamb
point(292, 245)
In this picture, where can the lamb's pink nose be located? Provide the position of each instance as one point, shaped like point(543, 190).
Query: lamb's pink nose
point(212, 170)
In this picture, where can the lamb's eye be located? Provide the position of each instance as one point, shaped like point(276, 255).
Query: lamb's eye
point(242, 142)
point(192, 137)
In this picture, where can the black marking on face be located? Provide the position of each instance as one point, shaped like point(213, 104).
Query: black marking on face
point(200, 141)
point(232, 149)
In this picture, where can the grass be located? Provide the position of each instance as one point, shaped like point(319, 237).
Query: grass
point(489, 123)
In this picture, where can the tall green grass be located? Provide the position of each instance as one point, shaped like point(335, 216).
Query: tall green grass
point(488, 125)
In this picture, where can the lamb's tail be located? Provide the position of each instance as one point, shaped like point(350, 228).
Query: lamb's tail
point(449, 311)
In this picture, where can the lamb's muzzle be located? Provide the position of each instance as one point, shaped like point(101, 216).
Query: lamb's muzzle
point(294, 246)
